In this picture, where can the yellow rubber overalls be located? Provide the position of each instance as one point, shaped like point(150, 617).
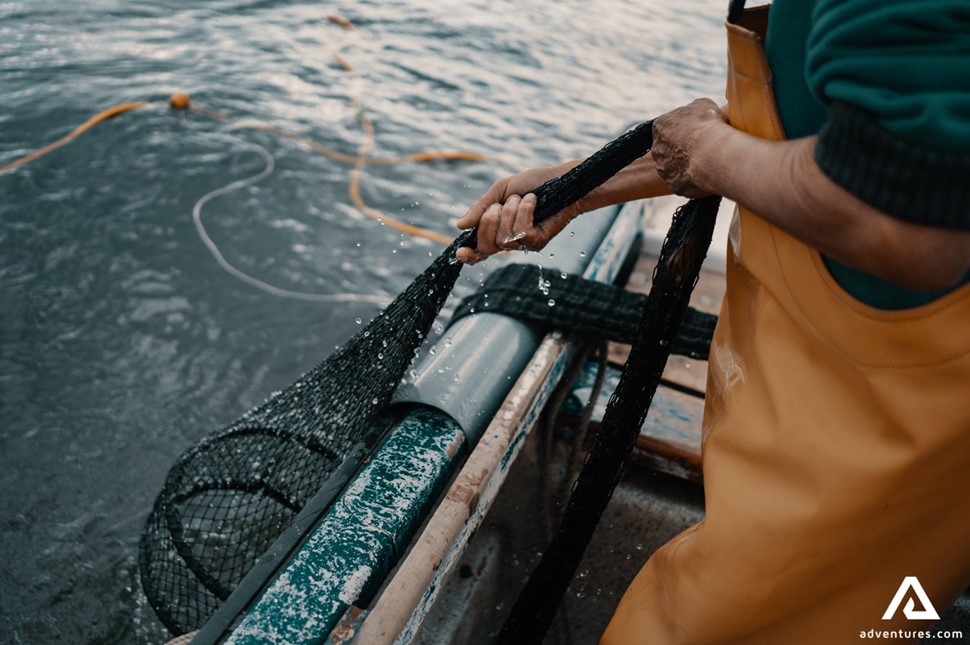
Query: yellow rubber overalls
point(836, 445)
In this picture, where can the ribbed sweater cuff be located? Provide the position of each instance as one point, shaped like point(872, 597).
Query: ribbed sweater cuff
point(915, 184)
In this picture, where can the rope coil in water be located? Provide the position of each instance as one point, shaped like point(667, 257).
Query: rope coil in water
point(182, 103)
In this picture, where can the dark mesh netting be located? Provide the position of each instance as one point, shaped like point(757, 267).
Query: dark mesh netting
point(593, 309)
point(674, 278)
point(227, 499)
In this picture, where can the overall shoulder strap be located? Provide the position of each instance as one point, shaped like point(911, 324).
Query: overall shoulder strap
point(735, 9)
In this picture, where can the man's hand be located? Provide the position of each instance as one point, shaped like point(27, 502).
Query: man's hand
point(504, 213)
point(681, 141)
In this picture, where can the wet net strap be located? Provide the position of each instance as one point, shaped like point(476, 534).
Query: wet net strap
point(556, 194)
point(573, 303)
point(673, 280)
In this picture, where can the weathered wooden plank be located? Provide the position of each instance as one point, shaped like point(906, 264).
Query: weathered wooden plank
point(670, 439)
point(708, 294)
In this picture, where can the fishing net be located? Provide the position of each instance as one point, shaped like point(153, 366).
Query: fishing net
point(674, 278)
point(228, 498)
point(590, 308)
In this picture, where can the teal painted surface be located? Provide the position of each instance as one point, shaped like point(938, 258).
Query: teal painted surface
point(359, 540)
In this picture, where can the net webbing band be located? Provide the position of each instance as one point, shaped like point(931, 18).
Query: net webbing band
point(572, 303)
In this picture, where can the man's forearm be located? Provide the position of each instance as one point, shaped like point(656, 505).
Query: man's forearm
point(639, 180)
point(782, 183)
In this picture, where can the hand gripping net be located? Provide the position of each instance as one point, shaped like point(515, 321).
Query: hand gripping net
point(228, 498)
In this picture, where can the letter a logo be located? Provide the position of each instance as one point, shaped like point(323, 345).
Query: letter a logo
point(910, 583)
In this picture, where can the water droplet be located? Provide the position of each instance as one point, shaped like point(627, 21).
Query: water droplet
point(374, 401)
point(358, 321)
point(563, 275)
point(582, 254)
point(572, 233)
point(552, 303)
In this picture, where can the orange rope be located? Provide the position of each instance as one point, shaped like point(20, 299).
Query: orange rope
point(340, 20)
point(359, 162)
point(344, 63)
point(81, 129)
point(353, 190)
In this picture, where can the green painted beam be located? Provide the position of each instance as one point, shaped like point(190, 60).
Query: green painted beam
point(347, 556)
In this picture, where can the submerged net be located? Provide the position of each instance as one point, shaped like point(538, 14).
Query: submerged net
point(227, 499)
point(674, 278)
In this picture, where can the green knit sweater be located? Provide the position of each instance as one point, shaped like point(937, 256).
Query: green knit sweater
point(886, 86)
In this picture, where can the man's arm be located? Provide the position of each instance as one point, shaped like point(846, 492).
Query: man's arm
point(697, 153)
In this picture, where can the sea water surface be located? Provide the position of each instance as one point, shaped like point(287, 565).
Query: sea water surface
point(122, 340)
